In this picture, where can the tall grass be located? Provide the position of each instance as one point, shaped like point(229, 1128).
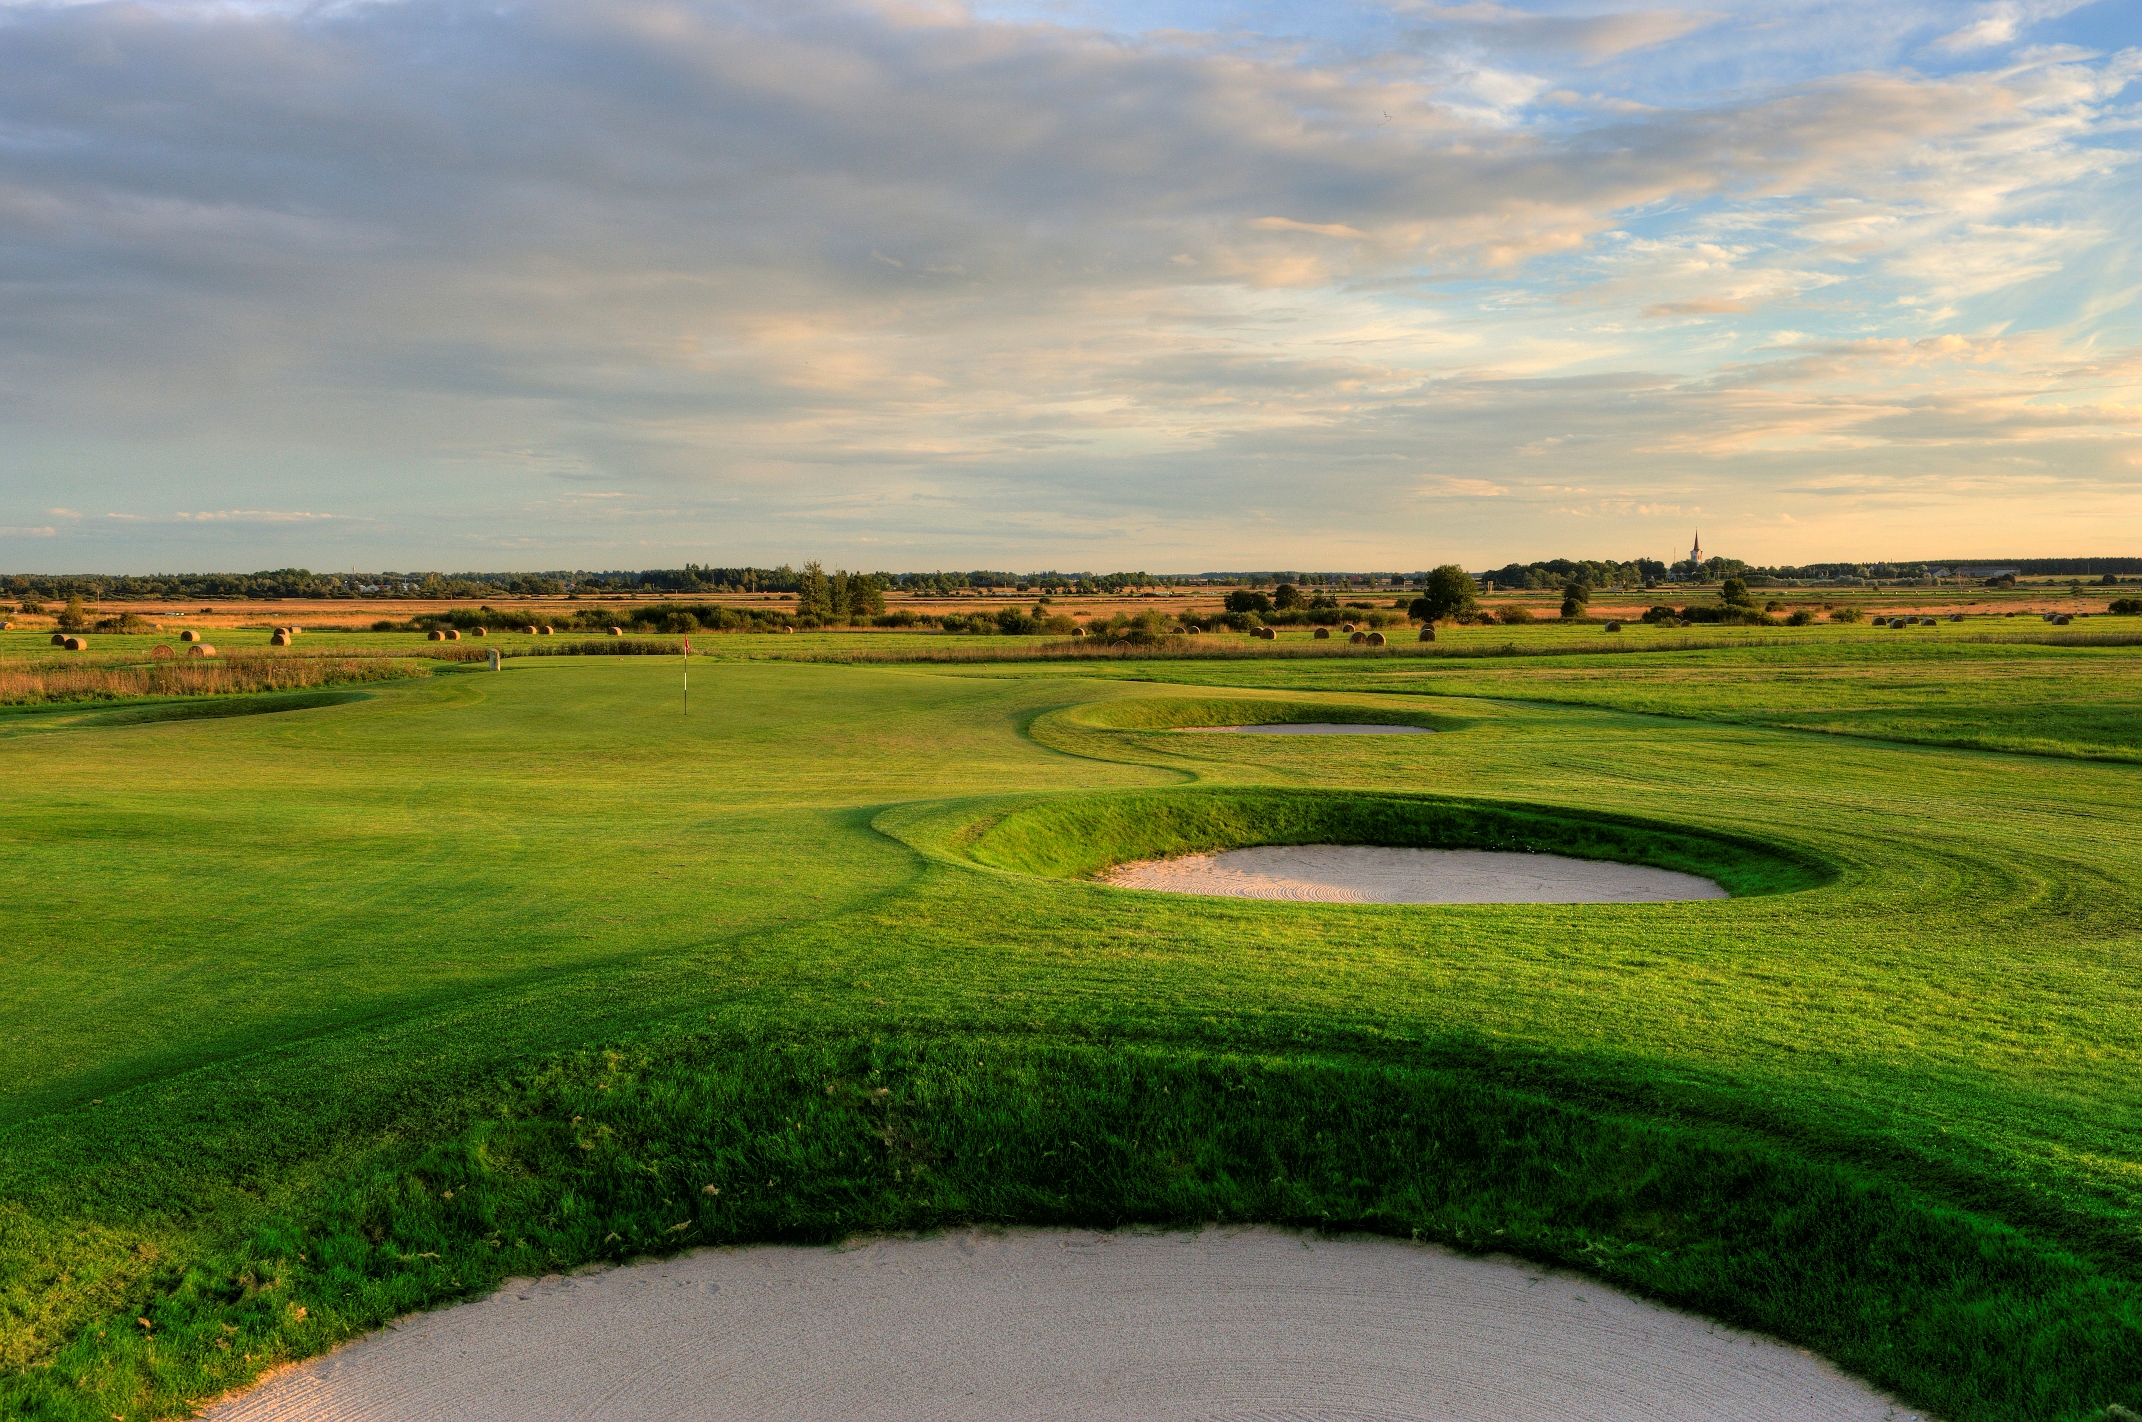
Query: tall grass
point(46, 683)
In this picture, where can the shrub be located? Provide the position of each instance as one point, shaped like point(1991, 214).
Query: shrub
point(1734, 593)
point(1515, 616)
point(1662, 616)
point(1801, 618)
point(1847, 614)
point(74, 617)
point(2125, 607)
point(1248, 600)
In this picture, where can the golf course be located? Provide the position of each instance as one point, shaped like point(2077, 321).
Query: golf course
point(325, 1005)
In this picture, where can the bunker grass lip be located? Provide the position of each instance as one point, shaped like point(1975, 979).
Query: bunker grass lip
point(1085, 836)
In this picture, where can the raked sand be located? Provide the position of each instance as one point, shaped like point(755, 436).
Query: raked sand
point(1370, 874)
point(1235, 1324)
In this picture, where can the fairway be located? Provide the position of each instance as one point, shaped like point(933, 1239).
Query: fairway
point(318, 1015)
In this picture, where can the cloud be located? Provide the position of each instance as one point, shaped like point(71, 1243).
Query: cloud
point(1593, 38)
point(2003, 23)
point(46, 531)
point(252, 516)
point(814, 266)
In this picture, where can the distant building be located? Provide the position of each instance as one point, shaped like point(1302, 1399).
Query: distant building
point(1695, 552)
point(1987, 571)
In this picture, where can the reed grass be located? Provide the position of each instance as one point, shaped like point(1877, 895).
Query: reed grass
point(45, 683)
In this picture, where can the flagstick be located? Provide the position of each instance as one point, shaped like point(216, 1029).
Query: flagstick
point(687, 676)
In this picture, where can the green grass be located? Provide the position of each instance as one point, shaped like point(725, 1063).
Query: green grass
point(277, 982)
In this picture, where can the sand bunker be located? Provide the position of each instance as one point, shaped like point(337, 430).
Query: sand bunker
point(1237, 1324)
point(1316, 728)
point(1369, 874)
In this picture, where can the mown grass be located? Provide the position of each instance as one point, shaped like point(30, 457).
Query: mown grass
point(274, 985)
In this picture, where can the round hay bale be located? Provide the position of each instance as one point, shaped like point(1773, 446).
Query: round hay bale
point(59, 639)
point(189, 635)
point(1955, 617)
point(162, 652)
point(1375, 639)
point(617, 631)
point(453, 634)
point(1347, 627)
point(545, 631)
point(479, 631)
point(295, 629)
point(2060, 621)
point(1191, 630)
point(434, 635)
point(1428, 634)
point(1358, 639)
point(1322, 634)
point(788, 629)
point(1613, 627)
point(1120, 646)
point(282, 639)
point(75, 644)
point(529, 630)
point(202, 649)
point(1078, 631)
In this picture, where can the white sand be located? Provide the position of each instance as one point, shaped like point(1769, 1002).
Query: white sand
point(1250, 1325)
point(1317, 728)
point(1369, 874)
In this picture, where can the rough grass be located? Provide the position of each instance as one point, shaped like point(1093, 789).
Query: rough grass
point(269, 987)
point(604, 1156)
point(48, 683)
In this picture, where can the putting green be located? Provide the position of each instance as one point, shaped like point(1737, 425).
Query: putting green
point(277, 983)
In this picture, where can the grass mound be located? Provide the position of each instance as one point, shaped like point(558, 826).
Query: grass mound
point(1077, 836)
point(711, 1140)
point(1164, 713)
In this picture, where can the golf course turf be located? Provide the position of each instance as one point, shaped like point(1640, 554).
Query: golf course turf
point(370, 1000)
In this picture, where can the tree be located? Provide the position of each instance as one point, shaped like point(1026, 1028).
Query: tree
point(814, 595)
point(1286, 597)
point(1734, 593)
point(74, 617)
point(1450, 594)
point(1248, 600)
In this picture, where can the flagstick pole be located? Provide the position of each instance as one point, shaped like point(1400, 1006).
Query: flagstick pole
point(687, 676)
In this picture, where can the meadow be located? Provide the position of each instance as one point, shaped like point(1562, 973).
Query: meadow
point(319, 1014)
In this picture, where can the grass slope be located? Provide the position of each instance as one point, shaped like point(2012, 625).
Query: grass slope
point(278, 982)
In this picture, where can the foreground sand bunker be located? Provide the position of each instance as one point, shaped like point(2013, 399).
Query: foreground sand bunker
point(1235, 1324)
point(1314, 728)
point(1372, 874)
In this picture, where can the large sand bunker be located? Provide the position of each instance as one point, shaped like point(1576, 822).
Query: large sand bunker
point(1371, 874)
point(1228, 1323)
point(1317, 728)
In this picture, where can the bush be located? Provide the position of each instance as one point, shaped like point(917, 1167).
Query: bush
point(1847, 614)
point(1572, 608)
point(1800, 618)
point(1248, 600)
point(2125, 607)
point(1515, 616)
point(1662, 616)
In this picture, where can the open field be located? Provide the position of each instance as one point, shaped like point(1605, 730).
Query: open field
point(318, 1015)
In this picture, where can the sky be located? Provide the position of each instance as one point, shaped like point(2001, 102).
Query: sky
point(1074, 284)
